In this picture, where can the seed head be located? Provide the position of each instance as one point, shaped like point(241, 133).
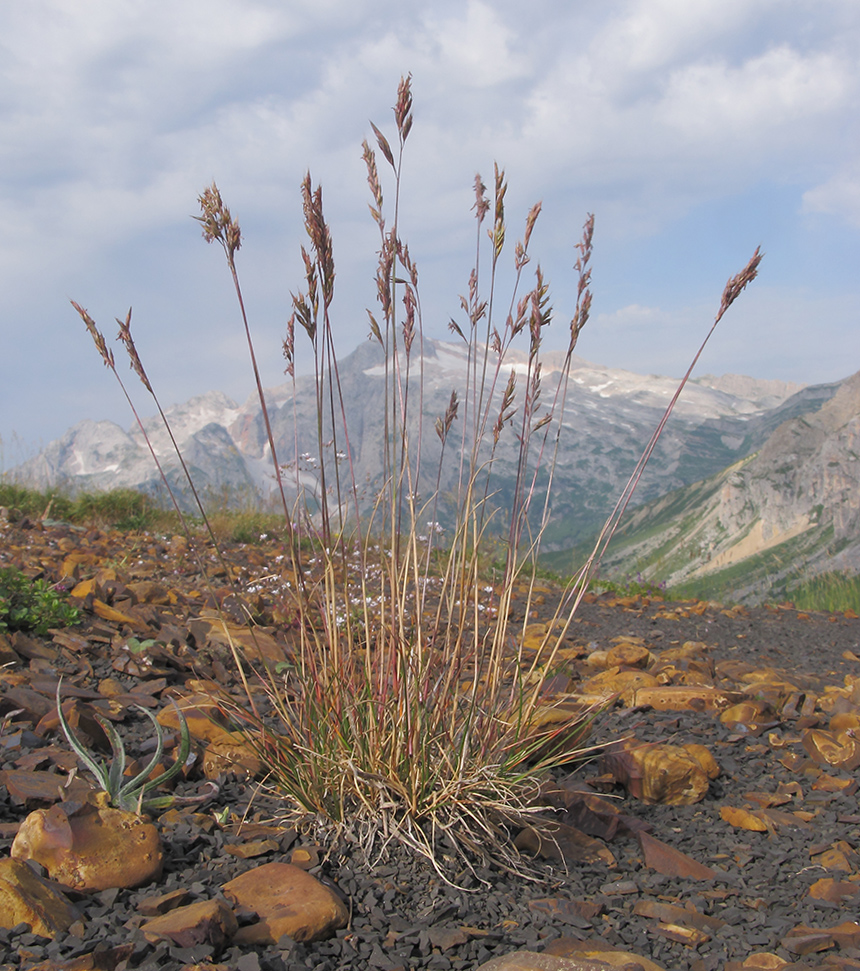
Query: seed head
point(125, 336)
point(218, 224)
point(97, 336)
point(735, 286)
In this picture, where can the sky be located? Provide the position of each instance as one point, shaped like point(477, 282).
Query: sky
point(694, 131)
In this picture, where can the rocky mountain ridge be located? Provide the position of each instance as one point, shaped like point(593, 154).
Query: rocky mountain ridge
point(609, 416)
point(779, 516)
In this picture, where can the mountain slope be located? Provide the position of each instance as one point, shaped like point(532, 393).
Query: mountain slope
point(609, 415)
point(786, 512)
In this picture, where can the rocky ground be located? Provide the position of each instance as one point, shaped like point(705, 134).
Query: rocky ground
point(751, 713)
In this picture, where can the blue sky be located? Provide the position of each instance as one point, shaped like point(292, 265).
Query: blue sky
point(693, 131)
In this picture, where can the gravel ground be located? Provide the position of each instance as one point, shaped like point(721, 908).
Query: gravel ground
point(404, 915)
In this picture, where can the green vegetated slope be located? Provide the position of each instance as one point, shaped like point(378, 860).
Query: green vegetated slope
point(762, 528)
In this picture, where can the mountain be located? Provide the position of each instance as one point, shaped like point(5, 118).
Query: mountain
point(609, 416)
point(780, 515)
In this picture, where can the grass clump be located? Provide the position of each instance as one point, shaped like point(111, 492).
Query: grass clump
point(32, 605)
point(827, 592)
point(630, 586)
point(123, 509)
point(35, 504)
point(410, 707)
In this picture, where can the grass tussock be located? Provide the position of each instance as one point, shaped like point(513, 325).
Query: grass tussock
point(410, 707)
point(826, 592)
point(124, 509)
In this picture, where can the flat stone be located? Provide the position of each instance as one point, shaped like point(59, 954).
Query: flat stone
point(667, 860)
point(205, 922)
point(288, 901)
point(204, 718)
point(619, 681)
point(160, 904)
point(657, 773)
point(255, 643)
point(603, 960)
point(743, 819)
point(553, 840)
point(231, 754)
point(32, 788)
point(150, 592)
point(750, 715)
point(26, 898)
point(840, 749)
point(628, 653)
point(597, 949)
point(248, 850)
point(834, 891)
point(685, 697)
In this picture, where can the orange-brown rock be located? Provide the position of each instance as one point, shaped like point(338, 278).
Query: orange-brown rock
point(614, 680)
point(596, 659)
point(93, 847)
point(682, 653)
point(558, 841)
point(231, 754)
point(774, 692)
point(666, 859)
point(657, 773)
point(570, 954)
point(840, 749)
point(758, 961)
point(628, 653)
point(150, 592)
point(672, 914)
point(836, 857)
point(205, 922)
point(205, 719)
point(594, 959)
point(842, 721)
point(749, 715)
point(287, 901)
point(834, 891)
point(26, 898)
point(686, 697)
point(538, 636)
point(742, 819)
point(810, 940)
point(682, 670)
point(255, 643)
point(703, 756)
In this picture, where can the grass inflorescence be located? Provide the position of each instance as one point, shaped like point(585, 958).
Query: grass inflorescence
point(410, 707)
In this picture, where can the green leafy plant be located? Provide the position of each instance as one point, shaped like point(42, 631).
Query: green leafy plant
point(32, 605)
point(128, 793)
point(137, 646)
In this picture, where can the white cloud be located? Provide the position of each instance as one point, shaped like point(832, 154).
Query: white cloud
point(714, 103)
point(838, 196)
point(114, 114)
point(478, 48)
